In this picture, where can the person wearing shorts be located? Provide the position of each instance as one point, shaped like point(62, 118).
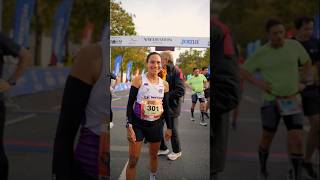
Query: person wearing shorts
point(207, 90)
point(277, 61)
point(148, 101)
point(310, 93)
point(197, 83)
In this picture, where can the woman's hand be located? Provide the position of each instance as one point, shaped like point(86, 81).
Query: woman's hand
point(168, 134)
point(131, 136)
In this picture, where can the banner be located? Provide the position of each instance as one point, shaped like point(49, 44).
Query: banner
point(117, 65)
point(61, 23)
point(23, 15)
point(257, 45)
point(128, 73)
point(250, 49)
point(154, 41)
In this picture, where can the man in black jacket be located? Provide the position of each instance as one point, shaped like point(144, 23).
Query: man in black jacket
point(226, 89)
point(176, 91)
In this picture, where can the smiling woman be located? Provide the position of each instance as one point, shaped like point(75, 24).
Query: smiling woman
point(144, 115)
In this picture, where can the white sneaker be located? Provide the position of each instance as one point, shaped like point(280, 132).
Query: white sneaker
point(192, 118)
point(111, 125)
point(152, 177)
point(174, 156)
point(203, 123)
point(163, 152)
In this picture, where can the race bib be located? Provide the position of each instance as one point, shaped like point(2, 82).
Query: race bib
point(151, 109)
point(288, 106)
point(200, 95)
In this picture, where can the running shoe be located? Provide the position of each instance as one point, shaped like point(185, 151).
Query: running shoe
point(163, 152)
point(309, 171)
point(152, 177)
point(192, 118)
point(203, 123)
point(111, 125)
point(174, 156)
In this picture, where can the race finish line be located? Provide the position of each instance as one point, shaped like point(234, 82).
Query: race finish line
point(156, 41)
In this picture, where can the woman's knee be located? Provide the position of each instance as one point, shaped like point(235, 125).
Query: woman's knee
point(133, 160)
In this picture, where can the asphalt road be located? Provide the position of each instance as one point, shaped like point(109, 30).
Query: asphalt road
point(242, 160)
point(32, 120)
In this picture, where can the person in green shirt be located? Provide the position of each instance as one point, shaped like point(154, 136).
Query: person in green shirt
point(277, 62)
point(197, 83)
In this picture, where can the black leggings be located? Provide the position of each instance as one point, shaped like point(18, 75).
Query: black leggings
point(111, 115)
point(4, 165)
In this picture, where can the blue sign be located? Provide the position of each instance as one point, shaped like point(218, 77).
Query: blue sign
point(128, 73)
point(250, 49)
point(189, 41)
point(257, 45)
point(23, 16)
point(61, 23)
point(117, 65)
point(38, 79)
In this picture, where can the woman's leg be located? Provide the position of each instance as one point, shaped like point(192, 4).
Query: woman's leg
point(153, 150)
point(134, 153)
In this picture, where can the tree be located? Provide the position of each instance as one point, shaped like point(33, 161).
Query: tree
point(246, 18)
point(193, 59)
point(43, 20)
point(122, 24)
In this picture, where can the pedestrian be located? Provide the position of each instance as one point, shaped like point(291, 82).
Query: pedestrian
point(277, 61)
point(197, 84)
point(310, 93)
point(148, 100)
point(172, 75)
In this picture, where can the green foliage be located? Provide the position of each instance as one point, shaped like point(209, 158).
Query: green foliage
point(193, 58)
point(246, 18)
point(83, 11)
point(122, 24)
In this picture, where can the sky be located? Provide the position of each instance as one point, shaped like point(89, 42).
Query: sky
point(188, 18)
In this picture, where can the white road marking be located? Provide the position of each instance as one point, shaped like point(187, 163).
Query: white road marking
point(123, 172)
point(19, 119)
